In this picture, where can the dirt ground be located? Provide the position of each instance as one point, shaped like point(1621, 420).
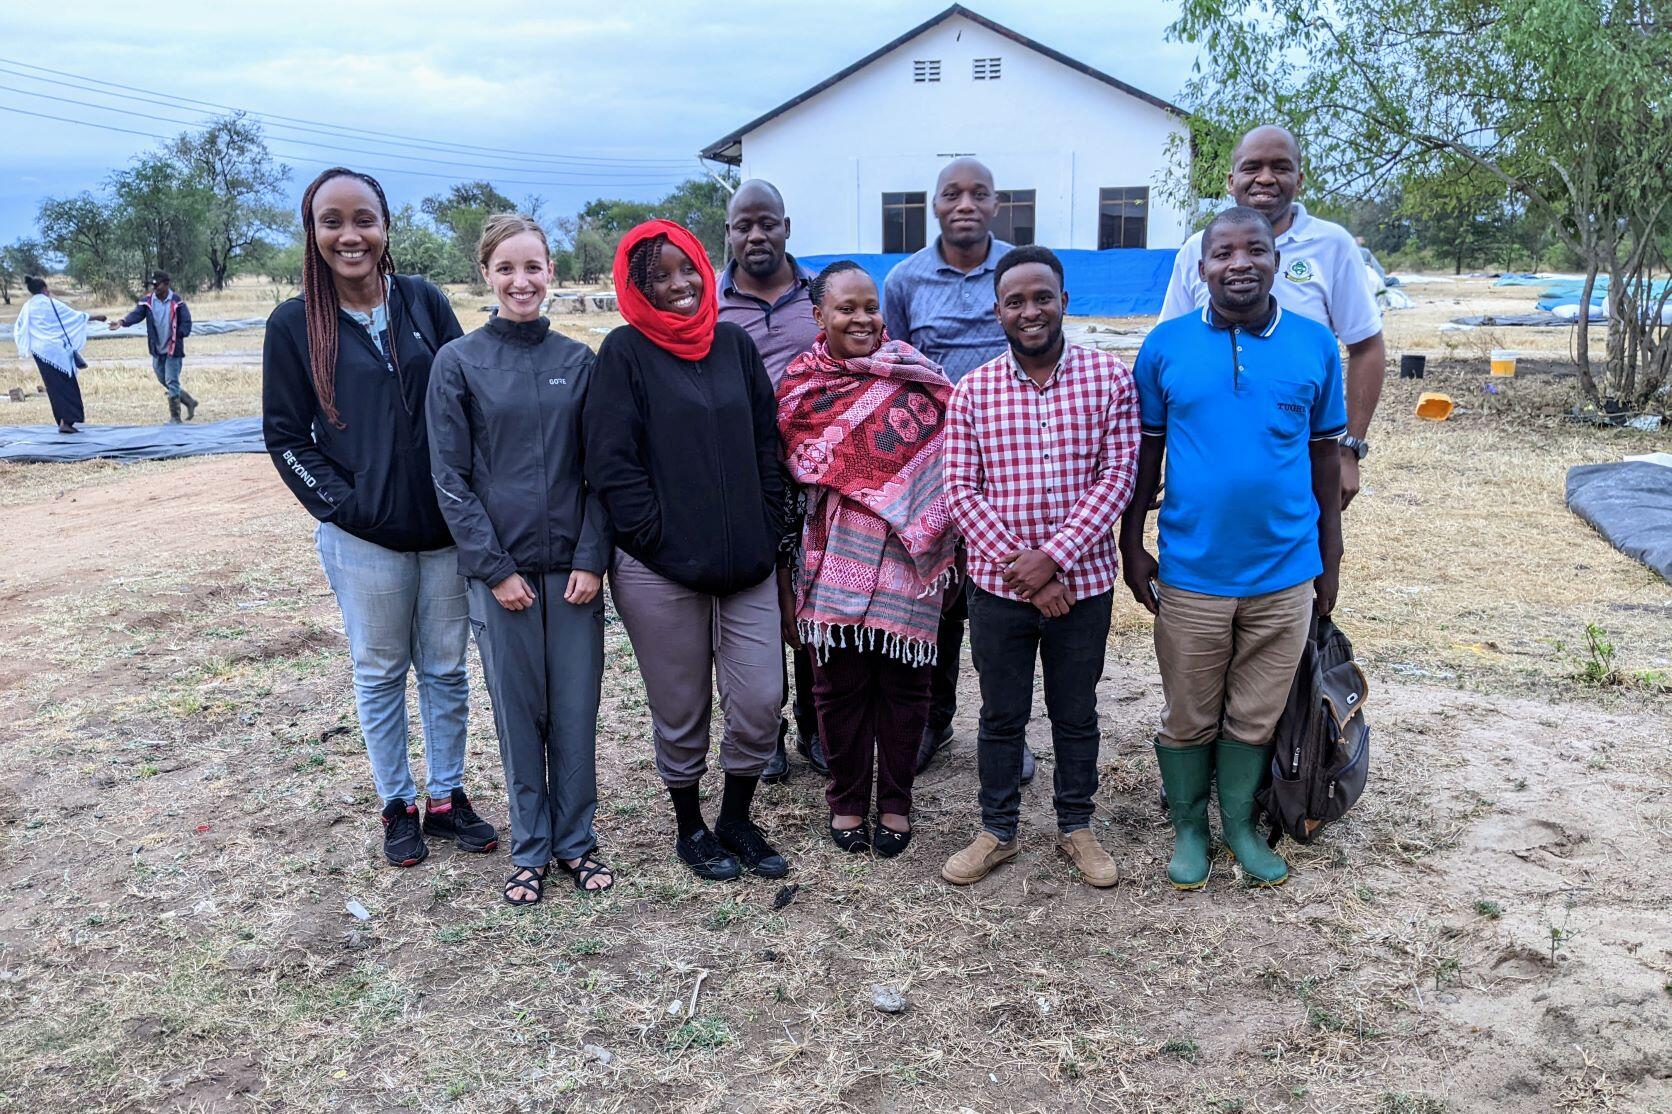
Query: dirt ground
point(185, 814)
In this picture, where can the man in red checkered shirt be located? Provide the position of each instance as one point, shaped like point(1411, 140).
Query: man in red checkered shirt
point(1041, 454)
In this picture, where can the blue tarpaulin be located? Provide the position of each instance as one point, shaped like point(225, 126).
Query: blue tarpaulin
point(1566, 291)
point(1123, 282)
point(43, 443)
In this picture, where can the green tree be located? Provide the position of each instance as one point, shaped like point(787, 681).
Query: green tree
point(87, 232)
point(1565, 104)
point(163, 214)
point(419, 249)
point(18, 259)
point(460, 213)
point(244, 208)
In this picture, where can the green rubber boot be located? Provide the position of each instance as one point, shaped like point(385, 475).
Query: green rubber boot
point(1187, 775)
point(1242, 768)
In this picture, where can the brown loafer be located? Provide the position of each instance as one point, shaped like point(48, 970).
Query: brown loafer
point(976, 861)
point(1089, 858)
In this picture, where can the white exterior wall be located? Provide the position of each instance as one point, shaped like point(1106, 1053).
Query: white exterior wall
point(1041, 126)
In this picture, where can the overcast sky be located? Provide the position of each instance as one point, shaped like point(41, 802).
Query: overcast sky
point(606, 99)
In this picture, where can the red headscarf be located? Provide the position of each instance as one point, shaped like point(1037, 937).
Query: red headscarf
point(689, 338)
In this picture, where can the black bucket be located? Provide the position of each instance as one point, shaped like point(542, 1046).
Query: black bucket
point(1412, 367)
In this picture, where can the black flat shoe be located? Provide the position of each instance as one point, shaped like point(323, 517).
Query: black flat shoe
point(855, 841)
point(706, 858)
point(749, 844)
point(934, 738)
point(889, 842)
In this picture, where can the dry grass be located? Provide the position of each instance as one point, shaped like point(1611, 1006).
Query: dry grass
point(185, 813)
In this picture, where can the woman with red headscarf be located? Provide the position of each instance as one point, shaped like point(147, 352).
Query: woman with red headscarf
point(681, 445)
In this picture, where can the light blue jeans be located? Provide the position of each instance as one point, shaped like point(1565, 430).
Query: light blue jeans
point(167, 371)
point(403, 611)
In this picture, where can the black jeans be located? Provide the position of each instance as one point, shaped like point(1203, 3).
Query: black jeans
point(943, 682)
point(1006, 638)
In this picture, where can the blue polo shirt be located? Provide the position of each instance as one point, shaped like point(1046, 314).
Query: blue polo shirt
point(1240, 406)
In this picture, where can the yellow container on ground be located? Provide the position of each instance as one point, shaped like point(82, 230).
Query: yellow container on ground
point(1503, 361)
point(1434, 406)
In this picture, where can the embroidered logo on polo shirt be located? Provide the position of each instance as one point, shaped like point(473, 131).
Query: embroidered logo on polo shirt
point(1292, 407)
point(1300, 271)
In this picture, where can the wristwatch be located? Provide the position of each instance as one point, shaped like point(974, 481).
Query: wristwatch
point(1359, 449)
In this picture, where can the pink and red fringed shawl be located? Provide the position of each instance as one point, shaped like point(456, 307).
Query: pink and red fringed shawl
point(864, 437)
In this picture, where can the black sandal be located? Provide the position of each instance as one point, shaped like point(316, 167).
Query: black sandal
point(890, 842)
point(855, 841)
point(528, 878)
point(586, 870)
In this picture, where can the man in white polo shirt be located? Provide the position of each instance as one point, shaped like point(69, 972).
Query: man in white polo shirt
point(1322, 277)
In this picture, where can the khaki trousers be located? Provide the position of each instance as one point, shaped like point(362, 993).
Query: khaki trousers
point(1227, 664)
point(688, 643)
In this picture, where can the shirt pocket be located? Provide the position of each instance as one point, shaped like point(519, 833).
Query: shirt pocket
point(1288, 405)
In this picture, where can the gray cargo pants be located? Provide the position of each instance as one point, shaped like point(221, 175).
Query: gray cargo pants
point(544, 666)
point(686, 641)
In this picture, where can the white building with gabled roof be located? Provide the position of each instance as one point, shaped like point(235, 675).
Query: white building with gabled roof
point(1078, 156)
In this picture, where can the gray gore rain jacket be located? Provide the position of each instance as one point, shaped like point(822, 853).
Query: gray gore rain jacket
point(504, 413)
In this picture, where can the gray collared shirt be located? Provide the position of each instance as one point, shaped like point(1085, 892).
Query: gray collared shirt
point(781, 331)
point(163, 319)
point(943, 312)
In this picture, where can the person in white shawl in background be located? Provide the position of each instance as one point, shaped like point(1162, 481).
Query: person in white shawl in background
point(54, 333)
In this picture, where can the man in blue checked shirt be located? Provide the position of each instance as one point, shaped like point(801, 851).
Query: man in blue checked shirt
point(1244, 401)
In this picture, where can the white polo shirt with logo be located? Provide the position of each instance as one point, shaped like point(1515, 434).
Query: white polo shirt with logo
point(1320, 275)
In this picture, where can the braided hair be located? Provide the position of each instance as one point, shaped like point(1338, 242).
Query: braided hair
point(641, 264)
point(319, 294)
point(821, 281)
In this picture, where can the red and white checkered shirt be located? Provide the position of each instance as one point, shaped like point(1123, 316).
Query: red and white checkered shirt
point(1048, 468)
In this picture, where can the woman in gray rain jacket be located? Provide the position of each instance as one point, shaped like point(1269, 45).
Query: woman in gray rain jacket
point(504, 413)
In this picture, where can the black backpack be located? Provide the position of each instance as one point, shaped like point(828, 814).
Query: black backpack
point(1322, 743)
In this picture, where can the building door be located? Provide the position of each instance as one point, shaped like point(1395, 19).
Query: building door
point(903, 221)
point(1015, 221)
point(1123, 217)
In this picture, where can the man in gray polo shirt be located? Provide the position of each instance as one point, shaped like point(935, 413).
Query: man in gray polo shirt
point(940, 301)
point(765, 291)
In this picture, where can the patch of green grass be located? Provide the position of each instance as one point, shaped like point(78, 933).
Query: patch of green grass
point(1182, 1047)
point(586, 945)
point(1401, 1102)
point(726, 914)
point(1491, 910)
point(700, 1032)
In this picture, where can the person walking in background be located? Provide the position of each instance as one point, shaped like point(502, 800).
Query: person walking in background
point(862, 420)
point(1323, 278)
point(504, 414)
point(1242, 399)
point(54, 334)
point(345, 369)
point(168, 322)
point(681, 445)
point(1041, 451)
point(764, 290)
point(940, 301)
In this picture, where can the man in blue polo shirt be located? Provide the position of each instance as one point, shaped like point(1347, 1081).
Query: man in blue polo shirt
point(1243, 400)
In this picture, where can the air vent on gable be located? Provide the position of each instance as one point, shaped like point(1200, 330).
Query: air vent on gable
point(986, 69)
point(925, 69)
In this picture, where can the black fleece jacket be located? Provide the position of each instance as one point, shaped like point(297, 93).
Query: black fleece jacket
point(371, 478)
point(505, 450)
point(684, 456)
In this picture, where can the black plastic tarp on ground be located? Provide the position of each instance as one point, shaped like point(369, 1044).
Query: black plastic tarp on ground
point(43, 443)
point(1630, 504)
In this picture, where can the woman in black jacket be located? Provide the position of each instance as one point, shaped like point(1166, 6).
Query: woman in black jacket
point(505, 449)
point(344, 371)
point(682, 447)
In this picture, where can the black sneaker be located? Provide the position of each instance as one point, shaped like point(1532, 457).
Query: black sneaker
point(706, 858)
point(403, 839)
point(747, 842)
point(933, 739)
point(807, 742)
point(461, 823)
